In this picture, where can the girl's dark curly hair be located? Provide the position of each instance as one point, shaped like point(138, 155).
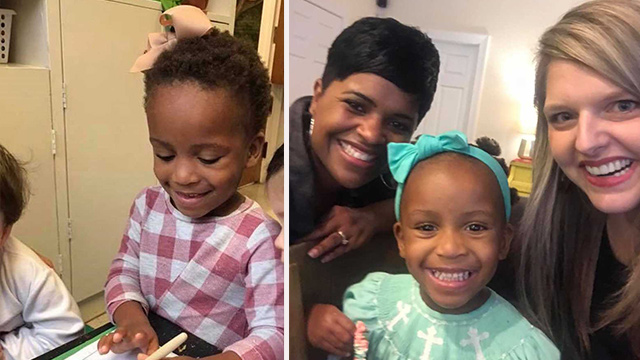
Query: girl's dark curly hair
point(491, 147)
point(216, 60)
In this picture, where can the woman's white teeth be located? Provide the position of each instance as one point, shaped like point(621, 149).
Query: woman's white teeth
point(445, 276)
point(352, 151)
point(615, 168)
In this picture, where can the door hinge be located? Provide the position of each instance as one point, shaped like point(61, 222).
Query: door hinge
point(54, 145)
point(59, 266)
point(64, 96)
point(69, 230)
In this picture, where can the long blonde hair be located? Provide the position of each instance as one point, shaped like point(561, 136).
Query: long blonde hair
point(561, 230)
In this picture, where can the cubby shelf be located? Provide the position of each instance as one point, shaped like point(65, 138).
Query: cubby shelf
point(29, 35)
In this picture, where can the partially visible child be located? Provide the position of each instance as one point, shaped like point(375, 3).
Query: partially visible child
point(275, 193)
point(37, 312)
point(452, 204)
point(195, 251)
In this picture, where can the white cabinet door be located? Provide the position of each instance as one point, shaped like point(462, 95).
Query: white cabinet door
point(109, 158)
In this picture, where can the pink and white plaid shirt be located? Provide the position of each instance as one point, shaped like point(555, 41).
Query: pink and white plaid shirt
point(219, 278)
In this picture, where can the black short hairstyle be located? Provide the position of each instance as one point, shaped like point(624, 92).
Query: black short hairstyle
point(277, 162)
point(401, 54)
point(217, 61)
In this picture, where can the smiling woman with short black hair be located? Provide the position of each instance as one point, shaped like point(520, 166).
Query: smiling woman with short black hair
point(378, 83)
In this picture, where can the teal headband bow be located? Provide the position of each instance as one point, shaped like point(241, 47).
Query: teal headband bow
point(404, 156)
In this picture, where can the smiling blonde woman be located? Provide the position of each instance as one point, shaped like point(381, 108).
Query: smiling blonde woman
point(579, 275)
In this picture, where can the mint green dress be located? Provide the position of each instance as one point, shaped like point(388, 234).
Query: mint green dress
point(401, 326)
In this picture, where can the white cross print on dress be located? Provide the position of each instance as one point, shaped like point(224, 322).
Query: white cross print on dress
point(431, 339)
point(474, 339)
point(403, 311)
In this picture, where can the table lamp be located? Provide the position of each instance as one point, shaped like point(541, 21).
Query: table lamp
point(528, 123)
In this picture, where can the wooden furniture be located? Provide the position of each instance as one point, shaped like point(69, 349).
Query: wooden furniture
point(520, 176)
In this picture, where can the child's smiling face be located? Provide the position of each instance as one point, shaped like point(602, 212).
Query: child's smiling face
point(200, 146)
point(452, 231)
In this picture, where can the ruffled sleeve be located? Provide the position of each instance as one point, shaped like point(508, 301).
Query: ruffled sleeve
point(534, 347)
point(361, 300)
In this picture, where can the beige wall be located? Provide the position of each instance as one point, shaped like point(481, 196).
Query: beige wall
point(514, 27)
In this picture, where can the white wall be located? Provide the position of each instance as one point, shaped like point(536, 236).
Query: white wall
point(351, 10)
point(302, 76)
point(514, 28)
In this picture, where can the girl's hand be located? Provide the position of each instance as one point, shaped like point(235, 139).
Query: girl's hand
point(330, 330)
point(134, 335)
point(133, 331)
point(357, 225)
point(1, 353)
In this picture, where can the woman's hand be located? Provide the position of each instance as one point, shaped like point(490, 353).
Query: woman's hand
point(1, 353)
point(133, 331)
point(357, 224)
point(330, 330)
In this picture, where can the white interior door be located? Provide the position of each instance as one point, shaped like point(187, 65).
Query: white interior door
point(461, 66)
point(311, 32)
point(109, 158)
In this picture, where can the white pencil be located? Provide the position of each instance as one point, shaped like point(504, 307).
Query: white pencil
point(167, 348)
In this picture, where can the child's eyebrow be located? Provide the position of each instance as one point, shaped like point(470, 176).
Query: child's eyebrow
point(160, 142)
point(197, 147)
point(210, 146)
point(479, 212)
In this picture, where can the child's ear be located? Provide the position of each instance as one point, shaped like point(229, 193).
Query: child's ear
point(4, 235)
point(255, 149)
point(397, 231)
point(505, 245)
point(317, 92)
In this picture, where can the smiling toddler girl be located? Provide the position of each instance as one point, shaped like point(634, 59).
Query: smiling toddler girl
point(452, 204)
